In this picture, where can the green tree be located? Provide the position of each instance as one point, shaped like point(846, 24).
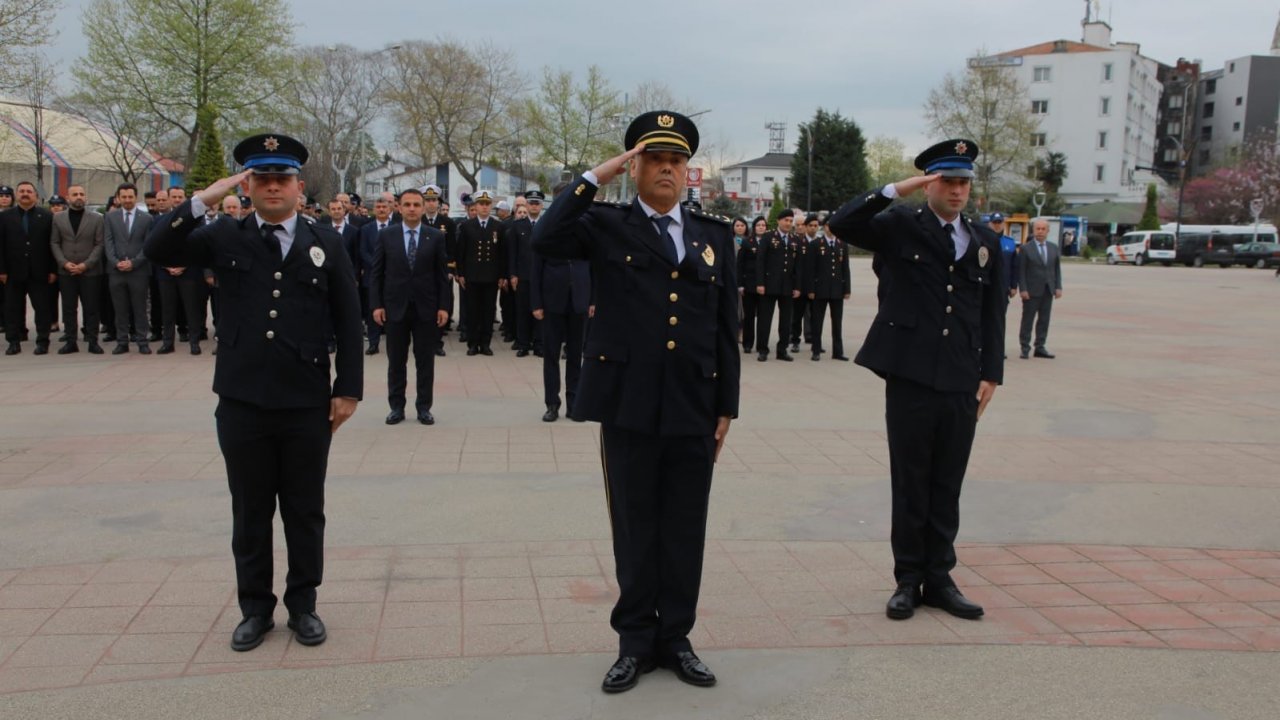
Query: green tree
point(839, 162)
point(724, 205)
point(1150, 216)
point(1051, 171)
point(777, 207)
point(986, 104)
point(571, 125)
point(173, 58)
point(25, 27)
point(887, 161)
point(211, 162)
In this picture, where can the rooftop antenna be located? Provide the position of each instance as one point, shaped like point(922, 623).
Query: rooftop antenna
point(777, 136)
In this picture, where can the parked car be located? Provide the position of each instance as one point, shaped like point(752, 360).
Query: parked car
point(1198, 249)
point(1141, 247)
point(1259, 254)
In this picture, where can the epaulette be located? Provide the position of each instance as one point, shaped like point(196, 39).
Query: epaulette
point(610, 203)
point(708, 216)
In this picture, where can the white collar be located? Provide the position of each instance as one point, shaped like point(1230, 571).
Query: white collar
point(290, 224)
point(673, 213)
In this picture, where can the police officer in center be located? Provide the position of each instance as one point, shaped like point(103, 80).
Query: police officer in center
point(938, 340)
point(283, 285)
point(660, 373)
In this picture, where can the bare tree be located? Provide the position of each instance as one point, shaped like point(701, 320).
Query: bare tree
point(126, 131)
point(989, 105)
point(571, 125)
point(31, 110)
point(887, 160)
point(454, 102)
point(25, 25)
point(656, 95)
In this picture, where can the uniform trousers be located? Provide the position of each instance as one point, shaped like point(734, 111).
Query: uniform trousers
point(274, 454)
point(1035, 311)
point(129, 297)
point(419, 329)
point(801, 320)
point(481, 300)
point(526, 325)
point(930, 436)
point(187, 292)
point(819, 308)
point(373, 331)
point(16, 293)
point(657, 489)
point(84, 290)
point(764, 324)
point(750, 308)
point(561, 329)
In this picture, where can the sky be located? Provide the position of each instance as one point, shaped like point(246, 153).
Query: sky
point(751, 62)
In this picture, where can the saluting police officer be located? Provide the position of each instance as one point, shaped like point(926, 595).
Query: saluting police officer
point(481, 267)
point(778, 284)
point(283, 285)
point(660, 373)
point(938, 340)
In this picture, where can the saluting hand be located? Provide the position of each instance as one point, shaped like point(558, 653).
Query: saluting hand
point(612, 168)
point(213, 194)
point(912, 184)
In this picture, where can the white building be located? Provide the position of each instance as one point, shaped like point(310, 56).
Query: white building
point(394, 176)
point(1097, 102)
point(754, 180)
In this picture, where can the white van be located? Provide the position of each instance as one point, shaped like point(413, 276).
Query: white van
point(1143, 246)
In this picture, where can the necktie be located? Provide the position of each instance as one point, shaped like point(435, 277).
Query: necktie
point(382, 226)
point(951, 238)
point(663, 222)
point(1044, 257)
point(273, 242)
point(128, 222)
point(413, 247)
point(25, 215)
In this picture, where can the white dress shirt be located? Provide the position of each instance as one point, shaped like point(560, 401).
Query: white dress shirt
point(285, 236)
point(676, 228)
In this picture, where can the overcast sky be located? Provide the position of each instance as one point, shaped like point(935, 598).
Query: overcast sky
point(751, 62)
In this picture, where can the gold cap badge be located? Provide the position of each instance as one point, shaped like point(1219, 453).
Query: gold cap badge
point(666, 121)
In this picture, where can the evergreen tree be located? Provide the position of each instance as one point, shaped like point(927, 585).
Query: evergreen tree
point(210, 164)
point(777, 207)
point(839, 162)
point(1150, 219)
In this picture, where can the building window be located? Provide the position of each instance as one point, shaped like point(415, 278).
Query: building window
point(1174, 129)
point(1175, 102)
point(1031, 172)
point(1038, 139)
point(1104, 106)
point(1231, 67)
point(1239, 101)
point(1204, 156)
point(1208, 110)
point(768, 179)
point(1210, 86)
point(1235, 126)
point(1170, 155)
point(1106, 72)
point(1039, 107)
point(1206, 132)
point(1099, 172)
point(1041, 74)
point(1102, 140)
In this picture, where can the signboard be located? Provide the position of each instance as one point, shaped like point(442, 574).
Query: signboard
point(995, 61)
point(693, 177)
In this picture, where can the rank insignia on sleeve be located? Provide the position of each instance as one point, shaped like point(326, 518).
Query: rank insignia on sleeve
point(579, 190)
point(709, 255)
point(175, 223)
point(984, 256)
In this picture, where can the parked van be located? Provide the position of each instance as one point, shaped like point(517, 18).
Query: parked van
point(1143, 246)
point(1200, 245)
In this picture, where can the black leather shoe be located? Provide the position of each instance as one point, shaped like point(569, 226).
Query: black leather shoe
point(153, 337)
point(42, 348)
point(439, 352)
point(815, 357)
point(841, 358)
point(94, 348)
point(785, 357)
point(165, 349)
point(762, 357)
point(13, 349)
point(69, 347)
point(795, 347)
point(144, 349)
point(395, 417)
point(307, 628)
point(1024, 355)
point(746, 351)
point(1042, 353)
point(371, 350)
point(552, 414)
point(486, 350)
point(195, 349)
point(625, 673)
point(522, 353)
point(950, 599)
point(472, 352)
point(250, 633)
point(903, 603)
point(183, 337)
point(120, 349)
point(690, 669)
point(426, 418)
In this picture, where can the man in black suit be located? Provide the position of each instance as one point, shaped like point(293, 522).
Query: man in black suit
point(27, 267)
point(938, 340)
point(1040, 283)
point(284, 285)
point(827, 286)
point(482, 268)
point(777, 282)
point(802, 309)
point(368, 246)
point(410, 294)
point(520, 266)
point(560, 292)
point(660, 373)
point(437, 216)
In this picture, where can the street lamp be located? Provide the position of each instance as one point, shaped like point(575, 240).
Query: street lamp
point(1038, 200)
point(808, 201)
point(1255, 206)
point(1182, 182)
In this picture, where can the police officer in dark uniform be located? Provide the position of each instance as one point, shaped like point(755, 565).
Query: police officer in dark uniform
point(827, 285)
point(801, 309)
point(660, 373)
point(433, 217)
point(938, 340)
point(520, 258)
point(482, 265)
point(284, 284)
point(560, 292)
point(748, 251)
point(778, 284)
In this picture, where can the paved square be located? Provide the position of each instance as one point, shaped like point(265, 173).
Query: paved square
point(1123, 496)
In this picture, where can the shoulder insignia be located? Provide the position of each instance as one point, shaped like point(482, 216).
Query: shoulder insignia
point(176, 223)
point(719, 219)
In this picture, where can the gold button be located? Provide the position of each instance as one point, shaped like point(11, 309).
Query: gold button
point(314, 281)
point(673, 320)
point(950, 288)
point(271, 334)
point(951, 268)
point(674, 297)
point(602, 358)
point(945, 332)
point(715, 375)
point(671, 344)
point(675, 274)
point(233, 263)
point(279, 276)
point(917, 257)
point(272, 314)
point(948, 309)
point(275, 293)
point(713, 278)
point(628, 258)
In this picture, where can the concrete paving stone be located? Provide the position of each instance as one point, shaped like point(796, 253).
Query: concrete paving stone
point(1184, 591)
point(924, 627)
point(429, 567)
point(564, 565)
point(25, 679)
point(502, 588)
point(421, 614)
point(215, 649)
point(36, 596)
point(60, 650)
point(1023, 574)
point(1143, 571)
point(1267, 568)
point(1207, 569)
point(1079, 572)
point(1116, 593)
point(350, 615)
point(425, 590)
point(1121, 638)
point(176, 619)
point(136, 671)
point(89, 621)
point(353, 591)
point(1086, 619)
point(500, 612)
point(55, 575)
point(498, 567)
point(131, 594)
point(154, 648)
point(1047, 595)
point(506, 639)
point(586, 587)
point(581, 637)
point(1265, 639)
point(341, 646)
point(194, 592)
point(1161, 616)
point(419, 642)
point(1201, 639)
point(1230, 615)
point(135, 571)
point(770, 583)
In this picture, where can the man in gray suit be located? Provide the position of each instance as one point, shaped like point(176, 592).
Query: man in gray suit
point(77, 251)
point(1039, 283)
point(128, 270)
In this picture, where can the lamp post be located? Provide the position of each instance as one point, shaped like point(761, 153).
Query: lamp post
point(808, 201)
point(1255, 206)
point(1038, 200)
point(1182, 182)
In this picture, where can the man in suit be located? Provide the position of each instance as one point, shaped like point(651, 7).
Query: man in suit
point(347, 230)
point(560, 293)
point(938, 341)
point(77, 252)
point(660, 373)
point(482, 267)
point(285, 285)
point(182, 291)
point(1039, 283)
point(128, 269)
point(520, 267)
point(777, 282)
point(6, 202)
point(368, 247)
point(827, 285)
point(27, 267)
point(411, 296)
point(801, 312)
point(436, 215)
